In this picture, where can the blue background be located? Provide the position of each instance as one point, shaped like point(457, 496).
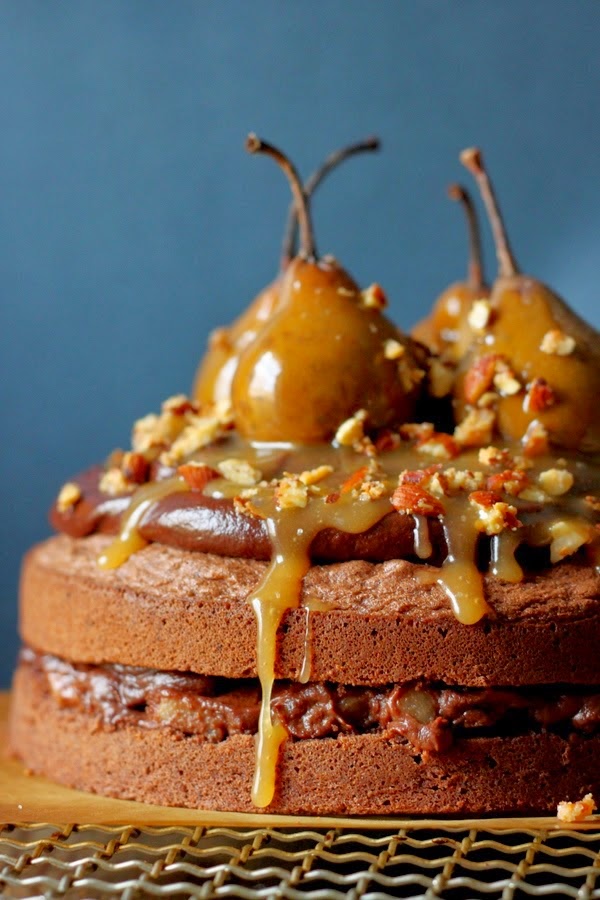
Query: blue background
point(132, 222)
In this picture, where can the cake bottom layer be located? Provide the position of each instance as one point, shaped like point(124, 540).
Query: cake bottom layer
point(369, 774)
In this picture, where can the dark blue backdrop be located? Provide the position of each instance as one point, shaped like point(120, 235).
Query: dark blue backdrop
point(132, 222)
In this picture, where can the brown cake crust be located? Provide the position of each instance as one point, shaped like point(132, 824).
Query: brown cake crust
point(172, 609)
point(356, 775)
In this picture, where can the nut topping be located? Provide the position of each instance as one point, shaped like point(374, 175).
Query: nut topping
point(540, 396)
point(558, 343)
point(480, 314)
point(494, 516)
point(69, 495)
point(239, 472)
point(412, 498)
point(197, 475)
point(352, 430)
point(374, 297)
point(476, 428)
point(556, 482)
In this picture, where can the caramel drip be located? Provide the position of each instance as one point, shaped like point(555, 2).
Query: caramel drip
point(311, 606)
point(292, 532)
point(459, 576)
point(503, 563)
point(423, 548)
point(278, 592)
point(129, 540)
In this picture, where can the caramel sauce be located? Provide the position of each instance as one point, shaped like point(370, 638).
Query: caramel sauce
point(503, 563)
point(292, 532)
point(337, 500)
point(311, 605)
point(423, 548)
point(459, 576)
point(129, 540)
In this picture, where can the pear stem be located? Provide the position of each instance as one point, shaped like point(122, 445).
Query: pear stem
point(333, 160)
point(475, 267)
point(308, 249)
point(473, 161)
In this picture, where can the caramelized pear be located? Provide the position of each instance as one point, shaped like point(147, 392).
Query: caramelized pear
point(546, 359)
point(325, 353)
point(443, 331)
point(212, 384)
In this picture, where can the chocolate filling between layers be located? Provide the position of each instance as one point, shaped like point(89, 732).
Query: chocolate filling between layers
point(430, 716)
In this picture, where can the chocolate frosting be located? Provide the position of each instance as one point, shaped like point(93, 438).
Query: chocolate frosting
point(193, 521)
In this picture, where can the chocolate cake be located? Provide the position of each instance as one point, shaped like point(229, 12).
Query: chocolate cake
point(354, 573)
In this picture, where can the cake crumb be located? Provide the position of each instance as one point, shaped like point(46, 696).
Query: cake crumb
point(576, 812)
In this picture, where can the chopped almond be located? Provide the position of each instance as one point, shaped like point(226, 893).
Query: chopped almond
point(457, 480)
point(374, 297)
point(558, 343)
point(416, 431)
point(239, 471)
point(480, 377)
point(476, 428)
point(412, 498)
point(387, 440)
point(535, 439)
point(439, 445)
point(199, 431)
point(494, 516)
point(197, 475)
point(113, 482)
point(291, 493)
point(371, 490)
point(506, 384)
point(494, 456)
point(354, 480)
point(313, 476)
point(556, 482)
point(68, 496)
point(488, 399)
point(135, 467)
point(352, 430)
point(534, 494)
point(156, 431)
point(576, 812)
point(480, 314)
point(512, 481)
point(179, 404)
point(410, 376)
point(539, 396)
point(393, 349)
point(568, 535)
point(441, 378)
point(418, 476)
point(244, 506)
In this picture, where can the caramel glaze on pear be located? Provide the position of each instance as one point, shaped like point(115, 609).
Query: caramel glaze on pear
point(319, 360)
point(212, 385)
point(323, 354)
point(522, 312)
point(214, 378)
point(445, 330)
